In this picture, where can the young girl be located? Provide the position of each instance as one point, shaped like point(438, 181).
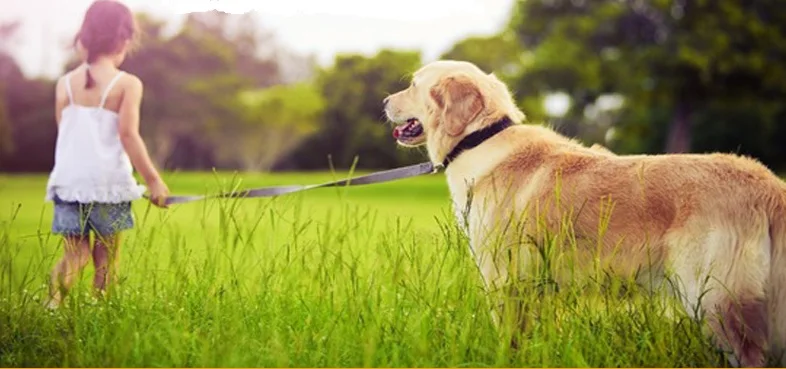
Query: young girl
point(92, 185)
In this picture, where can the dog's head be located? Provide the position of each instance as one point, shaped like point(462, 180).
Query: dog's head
point(446, 101)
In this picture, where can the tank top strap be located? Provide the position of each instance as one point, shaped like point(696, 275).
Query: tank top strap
point(68, 88)
point(109, 88)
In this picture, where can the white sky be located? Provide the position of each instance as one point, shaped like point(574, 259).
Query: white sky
point(320, 27)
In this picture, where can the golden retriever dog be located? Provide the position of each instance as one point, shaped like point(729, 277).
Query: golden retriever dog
point(716, 222)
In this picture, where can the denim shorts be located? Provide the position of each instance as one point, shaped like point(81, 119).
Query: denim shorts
point(78, 219)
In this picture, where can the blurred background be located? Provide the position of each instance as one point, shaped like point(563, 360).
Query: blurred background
point(298, 86)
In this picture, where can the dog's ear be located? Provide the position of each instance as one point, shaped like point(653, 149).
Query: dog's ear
point(460, 101)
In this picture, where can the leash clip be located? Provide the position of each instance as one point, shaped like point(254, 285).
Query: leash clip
point(437, 168)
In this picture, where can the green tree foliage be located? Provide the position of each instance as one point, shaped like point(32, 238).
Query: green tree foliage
point(29, 106)
point(253, 48)
point(8, 70)
point(6, 141)
point(276, 120)
point(191, 81)
point(499, 54)
point(680, 64)
point(353, 121)
point(27, 130)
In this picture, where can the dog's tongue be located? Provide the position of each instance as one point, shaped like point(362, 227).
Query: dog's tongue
point(399, 130)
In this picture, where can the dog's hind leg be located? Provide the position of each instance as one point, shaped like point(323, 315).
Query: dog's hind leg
point(777, 289)
point(741, 325)
point(724, 279)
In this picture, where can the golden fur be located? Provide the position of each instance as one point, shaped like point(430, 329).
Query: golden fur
point(717, 222)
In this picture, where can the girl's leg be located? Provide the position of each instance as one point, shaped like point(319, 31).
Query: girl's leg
point(76, 257)
point(106, 258)
point(108, 220)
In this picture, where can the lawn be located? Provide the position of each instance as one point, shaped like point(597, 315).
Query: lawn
point(366, 276)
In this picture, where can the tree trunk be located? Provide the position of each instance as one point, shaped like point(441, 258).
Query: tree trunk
point(679, 138)
point(161, 150)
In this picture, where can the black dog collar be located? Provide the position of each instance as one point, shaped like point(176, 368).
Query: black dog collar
point(476, 138)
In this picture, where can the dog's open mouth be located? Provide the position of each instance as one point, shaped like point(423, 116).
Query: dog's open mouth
point(409, 131)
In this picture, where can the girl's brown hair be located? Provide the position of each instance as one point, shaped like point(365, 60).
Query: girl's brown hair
point(108, 24)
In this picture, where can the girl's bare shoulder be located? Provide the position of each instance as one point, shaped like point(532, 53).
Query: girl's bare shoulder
point(72, 76)
point(65, 78)
point(130, 81)
point(73, 72)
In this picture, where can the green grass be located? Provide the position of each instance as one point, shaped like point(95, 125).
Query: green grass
point(367, 276)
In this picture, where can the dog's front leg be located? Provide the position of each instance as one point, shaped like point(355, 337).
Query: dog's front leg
point(501, 264)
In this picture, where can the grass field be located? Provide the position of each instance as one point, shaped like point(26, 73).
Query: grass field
point(367, 276)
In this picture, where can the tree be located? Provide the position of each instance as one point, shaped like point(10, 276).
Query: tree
point(191, 84)
point(353, 121)
point(27, 129)
point(674, 61)
point(499, 54)
point(30, 110)
point(9, 71)
point(276, 120)
point(6, 139)
point(253, 47)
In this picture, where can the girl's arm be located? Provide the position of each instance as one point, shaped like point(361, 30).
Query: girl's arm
point(132, 141)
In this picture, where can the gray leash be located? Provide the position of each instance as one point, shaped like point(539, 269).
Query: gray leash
point(378, 177)
point(470, 141)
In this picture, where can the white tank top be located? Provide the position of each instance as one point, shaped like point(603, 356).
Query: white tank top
point(90, 162)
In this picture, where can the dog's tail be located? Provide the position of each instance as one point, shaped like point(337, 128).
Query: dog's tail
point(777, 284)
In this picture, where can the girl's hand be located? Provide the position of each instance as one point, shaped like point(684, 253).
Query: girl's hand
point(158, 193)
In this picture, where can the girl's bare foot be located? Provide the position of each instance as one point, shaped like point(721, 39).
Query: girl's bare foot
point(52, 302)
